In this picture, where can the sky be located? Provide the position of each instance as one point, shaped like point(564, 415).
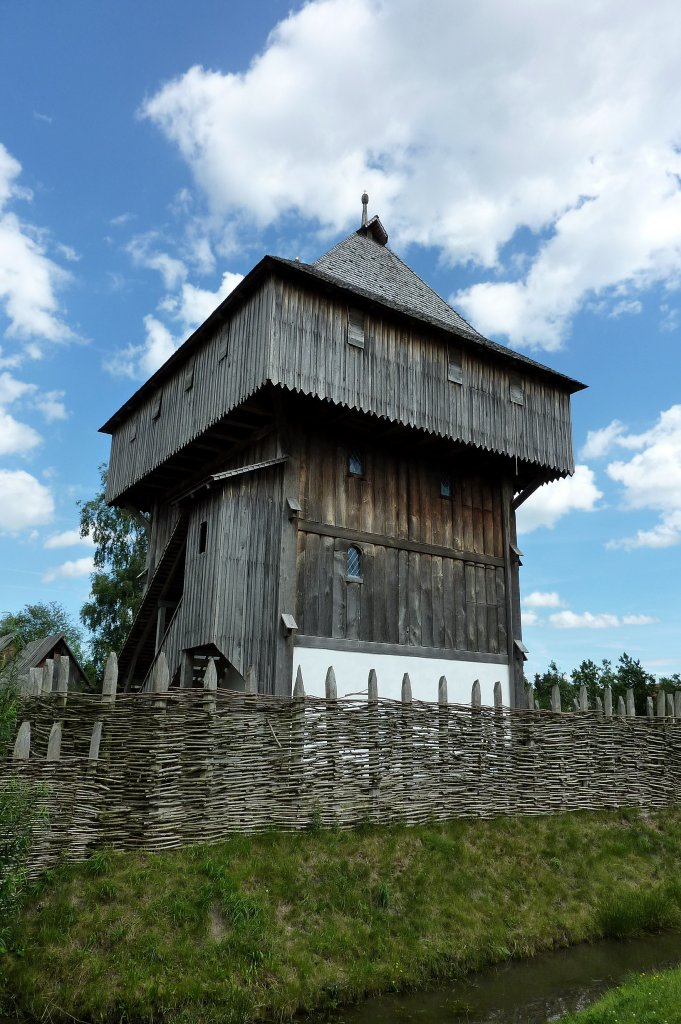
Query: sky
point(525, 159)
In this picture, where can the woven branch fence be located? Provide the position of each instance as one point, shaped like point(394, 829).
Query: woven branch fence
point(164, 769)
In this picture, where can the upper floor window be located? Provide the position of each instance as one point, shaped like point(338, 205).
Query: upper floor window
point(156, 406)
point(356, 328)
point(223, 343)
point(517, 389)
point(354, 564)
point(203, 536)
point(189, 376)
point(355, 464)
point(445, 487)
point(454, 367)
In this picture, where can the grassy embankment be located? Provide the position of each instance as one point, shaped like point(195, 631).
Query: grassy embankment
point(646, 999)
point(268, 925)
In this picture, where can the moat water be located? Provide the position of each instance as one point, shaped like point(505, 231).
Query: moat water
point(523, 991)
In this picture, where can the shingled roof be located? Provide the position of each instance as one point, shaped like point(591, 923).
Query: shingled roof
point(372, 268)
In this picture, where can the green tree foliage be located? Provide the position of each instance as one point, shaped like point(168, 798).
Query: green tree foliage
point(17, 811)
point(629, 673)
point(35, 621)
point(117, 581)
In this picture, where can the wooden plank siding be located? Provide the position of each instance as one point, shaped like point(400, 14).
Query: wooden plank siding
point(295, 336)
point(432, 567)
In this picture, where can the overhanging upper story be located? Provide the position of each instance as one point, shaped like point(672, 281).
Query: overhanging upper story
point(360, 330)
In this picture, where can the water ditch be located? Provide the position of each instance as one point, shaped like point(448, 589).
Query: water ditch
point(522, 991)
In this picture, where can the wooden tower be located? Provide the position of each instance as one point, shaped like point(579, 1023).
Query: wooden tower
point(331, 465)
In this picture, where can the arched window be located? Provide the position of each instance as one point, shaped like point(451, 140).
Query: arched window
point(354, 563)
point(355, 463)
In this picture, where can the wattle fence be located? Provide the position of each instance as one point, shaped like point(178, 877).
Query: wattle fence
point(168, 768)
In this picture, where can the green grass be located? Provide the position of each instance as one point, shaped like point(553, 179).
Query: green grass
point(265, 926)
point(645, 999)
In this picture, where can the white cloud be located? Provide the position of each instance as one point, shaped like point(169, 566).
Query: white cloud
point(25, 502)
point(627, 307)
point(145, 254)
point(599, 442)
point(603, 620)
point(558, 118)
point(50, 405)
point(651, 480)
point(193, 305)
point(71, 570)
point(67, 539)
point(542, 599)
point(577, 493)
point(143, 360)
point(16, 438)
point(530, 618)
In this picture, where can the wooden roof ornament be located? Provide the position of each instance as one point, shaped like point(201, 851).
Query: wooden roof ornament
point(244, 448)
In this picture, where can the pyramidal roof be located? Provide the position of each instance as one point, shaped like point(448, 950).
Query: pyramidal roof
point(370, 267)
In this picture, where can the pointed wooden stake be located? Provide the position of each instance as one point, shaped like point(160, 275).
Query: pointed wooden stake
point(498, 696)
point(406, 689)
point(160, 677)
point(54, 742)
point(476, 699)
point(631, 707)
point(330, 688)
point(607, 701)
point(555, 697)
point(442, 691)
point(299, 688)
point(372, 690)
point(110, 681)
point(583, 698)
point(22, 744)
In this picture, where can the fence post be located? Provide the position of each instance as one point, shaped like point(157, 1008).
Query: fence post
point(476, 699)
point(607, 701)
point(583, 698)
point(621, 708)
point(63, 673)
point(108, 696)
point(669, 700)
point(210, 684)
point(331, 694)
point(529, 693)
point(330, 687)
point(599, 705)
point(160, 676)
point(22, 744)
point(54, 742)
point(555, 698)
point(35, 682)
point(677, 705)
point(251, 682)
point(498, 697)
point(631, 708)
point(660, 703)
point(650, 707)
point(374, 739)
point(48, 675)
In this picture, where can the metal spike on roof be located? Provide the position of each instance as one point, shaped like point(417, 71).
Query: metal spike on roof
point(365, 211)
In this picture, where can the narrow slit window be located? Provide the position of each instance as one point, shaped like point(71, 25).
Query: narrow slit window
point(223, 344)
point(455, 368)
point(517, 390)
point(189, 377)
point(156, 407)
point(355, 464)
point(356, 328)
point(133, 435)
point(354, 564)
point(445, 487)
point(203, 536)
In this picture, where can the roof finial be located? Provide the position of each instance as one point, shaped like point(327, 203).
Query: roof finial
point(365, 213)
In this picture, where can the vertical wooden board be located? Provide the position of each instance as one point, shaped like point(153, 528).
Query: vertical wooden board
point(366, 519)
point(392, 596)
point(354, 488)
point(448, 603)
point(459, 592)
point(430, 511)
point(471, 621)
point(488, 531)
point(339, 614)
point(457, 515)
point(327, 482)
point(467, 516)
point(311, 604)
point(341, 474)
point(437, 569)
point(425, 585)
point(390, 494)
point(403, 596)
point(326, 567)
point(353, 599)
point(367, 595)
point(414, 599)
point(380, 586)
point(481, 608)
point(414, 499)
point(478, 536)
point(402, 498)
point(498, 549)
point(501, 607)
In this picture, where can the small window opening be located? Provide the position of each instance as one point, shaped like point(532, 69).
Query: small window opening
point(356, 328)
point(355, 464)
point(354, 564)
point(455, 368)
point(156, 407)
point(203, 536)
point(223, 344)
point(517, 390)
point(189, 377)
point(133, 435)
point(445, 487)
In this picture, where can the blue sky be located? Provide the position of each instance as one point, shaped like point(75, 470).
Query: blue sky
point(524, 158)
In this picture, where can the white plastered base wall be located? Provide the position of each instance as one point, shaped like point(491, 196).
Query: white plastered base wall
point(352, 672)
